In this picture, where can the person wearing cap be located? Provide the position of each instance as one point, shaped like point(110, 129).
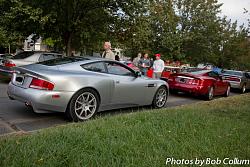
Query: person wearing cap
point(158, 66)
point(108, 52)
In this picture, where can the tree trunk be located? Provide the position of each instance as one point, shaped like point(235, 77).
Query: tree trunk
point(68, 40)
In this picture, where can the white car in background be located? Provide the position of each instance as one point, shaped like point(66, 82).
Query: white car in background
point(24, 58)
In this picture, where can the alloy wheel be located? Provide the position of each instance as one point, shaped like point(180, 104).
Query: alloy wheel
point(161, 97)
point(85, 106)
point(228, 90)
point(243, 89)
point(211, 93)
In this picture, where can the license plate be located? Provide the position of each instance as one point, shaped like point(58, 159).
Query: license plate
point(19, 79)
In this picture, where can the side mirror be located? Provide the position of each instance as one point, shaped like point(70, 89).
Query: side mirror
point(138, 74)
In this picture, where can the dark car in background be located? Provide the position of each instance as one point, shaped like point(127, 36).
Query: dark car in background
point(238, 79)
point(205, 83)
point(24, 58)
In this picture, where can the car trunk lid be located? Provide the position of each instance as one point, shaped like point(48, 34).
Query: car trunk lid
point(24, 76)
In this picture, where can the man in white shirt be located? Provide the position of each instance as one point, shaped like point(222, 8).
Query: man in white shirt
point(158, 66)
point(108, 52)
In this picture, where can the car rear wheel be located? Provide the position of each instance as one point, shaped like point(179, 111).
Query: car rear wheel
point(84, 105)
point(210, 93)
point(227, 93)
point(160, 98)
point(243, 89)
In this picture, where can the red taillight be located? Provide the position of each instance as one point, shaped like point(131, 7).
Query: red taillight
point(234, 79)
point(41, 84)
point(9, 64)
point(231, 78)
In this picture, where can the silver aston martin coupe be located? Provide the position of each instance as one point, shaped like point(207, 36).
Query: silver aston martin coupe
point(83, 86)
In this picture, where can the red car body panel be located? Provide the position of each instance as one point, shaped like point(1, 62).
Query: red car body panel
point(168, 70)
point(197, 84)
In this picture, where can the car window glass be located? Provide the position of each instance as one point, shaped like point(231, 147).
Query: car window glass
point(213, 74)
point(23, 55)
point(239, 73)
point(48, 57)
point(247, 75)
point(41, 58)
point(117, 69)
point(64, 60)
point(96, 67)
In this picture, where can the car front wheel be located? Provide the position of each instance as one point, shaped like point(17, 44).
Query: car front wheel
point(160, 98)
point(84, 105)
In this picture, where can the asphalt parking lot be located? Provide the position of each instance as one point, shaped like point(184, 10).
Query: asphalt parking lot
point(16, 117)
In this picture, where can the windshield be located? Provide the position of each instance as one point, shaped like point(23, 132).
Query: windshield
point(199, 72)
point(23, 55)
point(60, 61)
point(239, 73)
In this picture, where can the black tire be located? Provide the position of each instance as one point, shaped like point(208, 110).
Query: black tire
point(227, 93)
point(243, 89)
point(160, 98)
point(210, 94)
point(85, 101)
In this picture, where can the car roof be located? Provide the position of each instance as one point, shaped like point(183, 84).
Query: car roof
point(65, 61)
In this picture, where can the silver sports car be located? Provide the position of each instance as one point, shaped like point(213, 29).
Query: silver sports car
point(82, 86)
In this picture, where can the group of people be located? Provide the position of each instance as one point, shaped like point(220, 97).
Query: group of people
point(143, 63)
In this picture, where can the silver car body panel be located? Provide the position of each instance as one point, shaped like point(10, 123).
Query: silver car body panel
point(115, 91)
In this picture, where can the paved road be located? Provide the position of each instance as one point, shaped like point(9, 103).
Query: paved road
point(16, 117)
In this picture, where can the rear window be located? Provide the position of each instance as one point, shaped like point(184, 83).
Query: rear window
point(23, 55)
point(60, 61)
point(200, 72)
point(238, 73)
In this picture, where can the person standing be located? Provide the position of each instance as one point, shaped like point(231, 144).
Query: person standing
point(137, 59)
point(108, 52)
point(144, 64)
point(158, 66)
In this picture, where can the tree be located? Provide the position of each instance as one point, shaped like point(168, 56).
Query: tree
point(69, 21)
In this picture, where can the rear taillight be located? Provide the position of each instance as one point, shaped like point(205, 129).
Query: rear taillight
point(9, 64)
point(234, 79)
point(41, 84)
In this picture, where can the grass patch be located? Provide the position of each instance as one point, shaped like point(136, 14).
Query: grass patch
point(216, 129)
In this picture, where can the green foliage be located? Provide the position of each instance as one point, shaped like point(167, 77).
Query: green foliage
point(185, 30)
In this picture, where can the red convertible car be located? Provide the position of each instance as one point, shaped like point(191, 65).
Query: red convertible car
point(205, 83)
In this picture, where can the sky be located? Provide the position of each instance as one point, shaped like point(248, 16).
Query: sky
point(233, 9)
